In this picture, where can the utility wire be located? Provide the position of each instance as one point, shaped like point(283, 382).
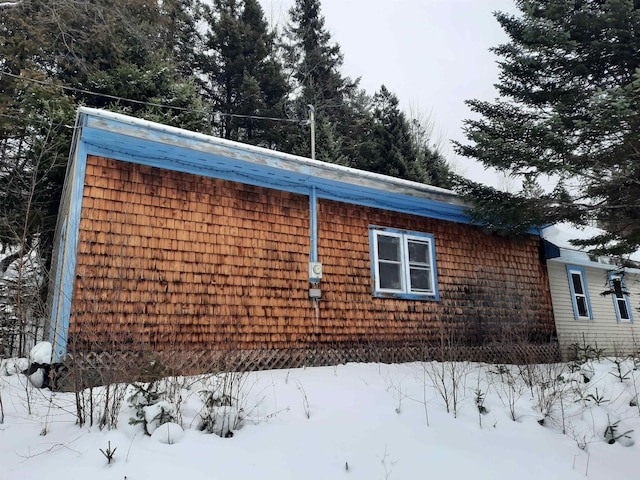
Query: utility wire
point(34, 120)
point(150, 104)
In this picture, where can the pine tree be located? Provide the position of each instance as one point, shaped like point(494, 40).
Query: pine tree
point(315, 64)
point(431, 166)
point(178, 32)
point(244, 79)
point(399, 148)
point(395, 152)
point(568, 109)
point(70, 48)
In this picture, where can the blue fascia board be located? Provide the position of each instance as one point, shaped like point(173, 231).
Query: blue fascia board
point(67, 253)
point(54, 327)
point(135, 140)
point(550, 250)
point(149, 152)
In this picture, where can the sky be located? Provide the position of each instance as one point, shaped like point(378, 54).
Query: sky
point(348, 422)
point(433, 54)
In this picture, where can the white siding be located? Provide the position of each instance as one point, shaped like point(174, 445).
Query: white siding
point(604, 330)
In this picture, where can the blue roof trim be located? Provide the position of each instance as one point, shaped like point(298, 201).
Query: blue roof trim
point(54, 328)
point(67, 256)
point(201, 155)
point(550, 250)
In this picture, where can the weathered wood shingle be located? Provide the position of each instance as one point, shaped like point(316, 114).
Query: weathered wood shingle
point(170, 260)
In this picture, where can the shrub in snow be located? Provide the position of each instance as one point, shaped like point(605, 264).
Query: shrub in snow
point(109, 452)
point(13, 366)
point(479, 400)
point(448, 378)
point(615, 432)
point(39, 364)
point(223, 401)
point(168, 433)
point(158, 414)
point(508, 387)
point(220, 415)
point(596, 398)
point(583, 351)
point(550, 389)
point(150, 410)
point(622, 370)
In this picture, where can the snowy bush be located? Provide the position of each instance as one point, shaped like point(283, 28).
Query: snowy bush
point(223, 403)
point(22, 310)
point(353, 423)
point(39, 364)
point(168, 433)
point(158, 414)
point(149, 408)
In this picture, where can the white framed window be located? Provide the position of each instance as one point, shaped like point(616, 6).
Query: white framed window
point(579, 293)
point(403, 264)
point(620, 297)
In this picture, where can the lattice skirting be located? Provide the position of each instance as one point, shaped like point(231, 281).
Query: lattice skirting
point(91, 369)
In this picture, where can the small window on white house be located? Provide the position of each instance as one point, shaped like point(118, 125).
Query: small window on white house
point(620, 297)
point(579, 293)
point(403, 264)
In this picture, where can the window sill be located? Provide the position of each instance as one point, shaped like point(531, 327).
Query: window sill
point(408, 296)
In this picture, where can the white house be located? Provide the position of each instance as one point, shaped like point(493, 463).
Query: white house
point(595, 300)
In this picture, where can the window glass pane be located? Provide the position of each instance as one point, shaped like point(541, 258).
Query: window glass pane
point(577, 283)
point(404, 263)
point(418, 252)
point(622, 307)
point(390, 275)
point(388, 248)
point(581, 303)
point(420, 279)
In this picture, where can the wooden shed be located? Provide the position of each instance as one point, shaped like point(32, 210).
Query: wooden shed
point(169, 240)
point(595, 301)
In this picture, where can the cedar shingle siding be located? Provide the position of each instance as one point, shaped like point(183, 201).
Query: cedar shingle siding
point(170, 260)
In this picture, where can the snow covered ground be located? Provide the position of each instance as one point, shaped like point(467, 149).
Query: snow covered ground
point(356, 421)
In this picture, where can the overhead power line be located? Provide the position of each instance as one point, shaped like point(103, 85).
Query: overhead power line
point(141, 102)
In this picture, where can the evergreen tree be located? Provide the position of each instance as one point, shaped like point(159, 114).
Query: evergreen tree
point(71, 48)
point(52, 53)
point(431, 166)
point(315, 62)
point(244, 78)
point(395, 152)
point(35, 138)
point(568, 109)
point(398, 147)
point(178, 32)
point(122, 51)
